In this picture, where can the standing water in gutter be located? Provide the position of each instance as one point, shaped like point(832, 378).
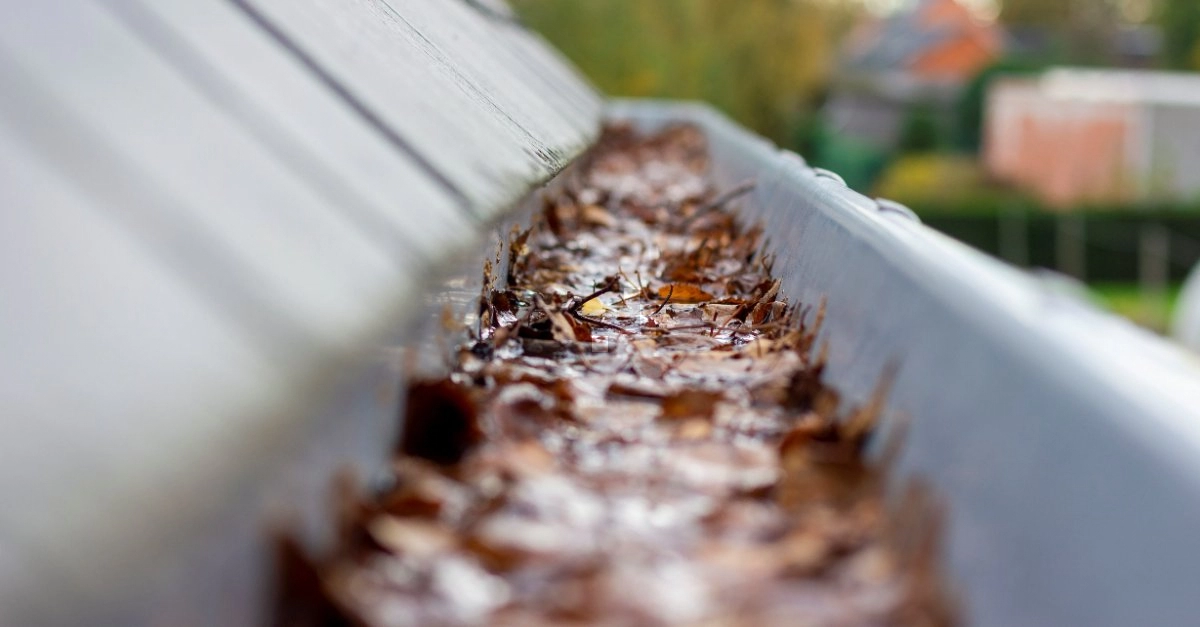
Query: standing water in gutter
point(638, 435)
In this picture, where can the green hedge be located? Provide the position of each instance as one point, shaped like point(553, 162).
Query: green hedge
point(1112, 238)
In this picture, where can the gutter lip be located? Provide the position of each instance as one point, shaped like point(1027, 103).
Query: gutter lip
point(1063, 441)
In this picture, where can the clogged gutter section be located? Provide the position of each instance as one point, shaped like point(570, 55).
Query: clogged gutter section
point(639, 434)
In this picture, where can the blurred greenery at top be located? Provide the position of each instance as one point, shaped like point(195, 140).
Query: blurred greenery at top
point(774, 64)
point(768, 63)
point(761, 61)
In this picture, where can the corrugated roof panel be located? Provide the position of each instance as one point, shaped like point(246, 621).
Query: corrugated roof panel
point(228, 58)
point(208, 213)
point(486, 137)
point(123, 387)
point(253, 223)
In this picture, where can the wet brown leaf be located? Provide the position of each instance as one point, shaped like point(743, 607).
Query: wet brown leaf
point(411, 536)
point(690, 404)
point(440, 422)
point(684, 293)
point(597, 216)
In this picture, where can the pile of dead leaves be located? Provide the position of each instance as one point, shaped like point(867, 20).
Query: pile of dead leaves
point(638, 436)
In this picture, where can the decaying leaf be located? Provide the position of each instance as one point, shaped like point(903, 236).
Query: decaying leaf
point(690, 403)
point(684, 293)
point(593, 308)
point(597, 216)
point(440, 422)
point(410, 536)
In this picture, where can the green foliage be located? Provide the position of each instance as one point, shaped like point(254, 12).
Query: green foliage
point(1053, 13)
point(921, 132)
point(1083, 31)
point(857, 162)
point(1180, 23)
point(1129, 300)
point(947, 183)
point(761, 61)
point(1112, 237)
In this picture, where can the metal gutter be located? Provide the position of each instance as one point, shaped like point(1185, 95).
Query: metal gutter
point(218, 217)
point(1065, 443)
point(1186, 325)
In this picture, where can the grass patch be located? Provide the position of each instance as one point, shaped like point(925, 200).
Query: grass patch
point(1130, 301)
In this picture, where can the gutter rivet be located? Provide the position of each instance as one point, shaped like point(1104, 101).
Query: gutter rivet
point(833, 176)
point(892, 207)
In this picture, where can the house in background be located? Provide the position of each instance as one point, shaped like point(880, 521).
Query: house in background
point(919, 57)
point(1073, 137)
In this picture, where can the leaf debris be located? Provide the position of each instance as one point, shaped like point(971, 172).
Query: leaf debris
point(678, 463)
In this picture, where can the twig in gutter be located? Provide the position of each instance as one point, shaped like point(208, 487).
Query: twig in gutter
point(664, 303)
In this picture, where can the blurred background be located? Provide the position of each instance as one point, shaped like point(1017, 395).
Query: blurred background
point(1062, 134)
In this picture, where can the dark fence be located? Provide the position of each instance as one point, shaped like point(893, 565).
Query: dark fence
point(1092, 246)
